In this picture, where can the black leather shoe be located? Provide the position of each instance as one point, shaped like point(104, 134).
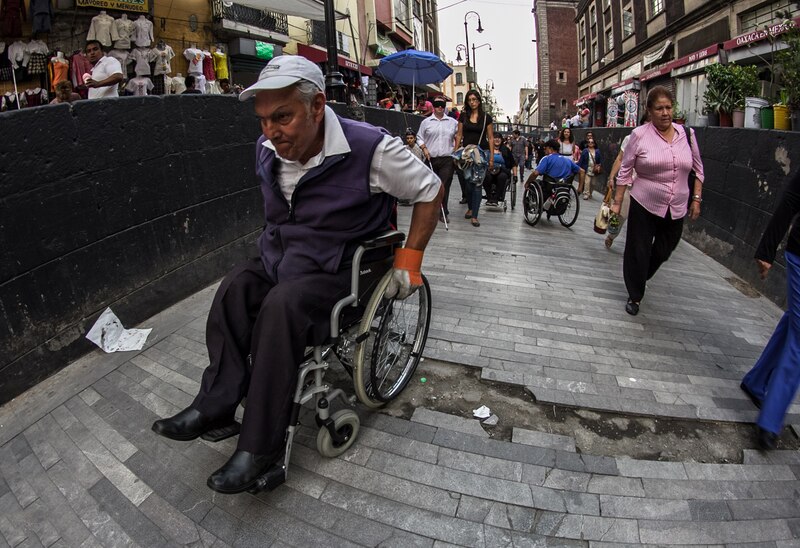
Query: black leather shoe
point(766, 440)
point(631, 307)
point(190, 424)
point(753, 398)
point(240, 473)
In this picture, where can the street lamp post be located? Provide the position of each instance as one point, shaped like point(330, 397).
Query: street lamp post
point(334, 84)
point(474, 62)
point(466, 34)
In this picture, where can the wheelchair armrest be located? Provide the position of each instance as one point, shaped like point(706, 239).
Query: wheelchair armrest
point(389, 238)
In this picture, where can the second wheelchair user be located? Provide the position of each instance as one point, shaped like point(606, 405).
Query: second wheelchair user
point(497, 177)
point(327, 182)
point(553, 167)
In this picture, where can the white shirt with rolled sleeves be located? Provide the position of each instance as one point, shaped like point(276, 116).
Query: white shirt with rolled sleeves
point(438, 135)
point(394, 170)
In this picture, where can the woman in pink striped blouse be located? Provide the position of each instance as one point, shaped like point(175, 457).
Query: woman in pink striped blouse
point(660, 154)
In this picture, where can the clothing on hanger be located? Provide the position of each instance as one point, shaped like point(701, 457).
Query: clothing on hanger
point(16, 53)
point(79, 65)
point(124, 57)
point(139, 86)
point(208, 67)
point(122, 31)
point(164, 56)
point(142, 57)
point(159, 84)
point(35, 97)
point(41, 15)
point(195, 58)
point(220, 64)
point(37, 64)
point(100, 29)
point(143, 32)
point(12, 13)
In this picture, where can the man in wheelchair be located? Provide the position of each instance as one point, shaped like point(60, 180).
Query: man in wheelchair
point(327, 182)
point(555, 169)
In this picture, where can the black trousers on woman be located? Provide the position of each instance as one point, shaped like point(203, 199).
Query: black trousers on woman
point(650, 241)
point(272, 323)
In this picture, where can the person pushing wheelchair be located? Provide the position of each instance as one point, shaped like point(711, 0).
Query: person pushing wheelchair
point(327, 182)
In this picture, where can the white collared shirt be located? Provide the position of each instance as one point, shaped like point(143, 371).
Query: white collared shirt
point(438, 134)
point(394, 170)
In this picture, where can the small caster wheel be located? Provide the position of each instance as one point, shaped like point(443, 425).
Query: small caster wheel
point(346, 423)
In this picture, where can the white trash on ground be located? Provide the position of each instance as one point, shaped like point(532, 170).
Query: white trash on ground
point(481, 412)
point(109, 334)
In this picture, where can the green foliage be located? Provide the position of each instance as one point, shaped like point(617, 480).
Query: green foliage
point(746, 79)
point(728, 85)
point(789, 61)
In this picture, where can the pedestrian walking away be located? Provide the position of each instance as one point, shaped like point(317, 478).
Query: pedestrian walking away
point(662, 154)
point(519, 150)
point(438, 132)
point(327, 182)
point(772, 383)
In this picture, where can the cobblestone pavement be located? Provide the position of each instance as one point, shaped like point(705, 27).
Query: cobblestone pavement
point(540, 307)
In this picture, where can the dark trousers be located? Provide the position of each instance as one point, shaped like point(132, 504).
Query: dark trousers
point(651, 240)
point(444, 167)
point(495, 185)
point(250, 315)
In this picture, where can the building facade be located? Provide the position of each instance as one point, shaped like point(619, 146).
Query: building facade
point(557, 54)
point(627, 47)
point(456, 86)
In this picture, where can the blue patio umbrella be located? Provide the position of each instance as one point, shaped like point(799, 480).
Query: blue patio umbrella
point(412, 67)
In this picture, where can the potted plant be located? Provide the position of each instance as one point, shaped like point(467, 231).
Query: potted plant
point(789, 61)
point(678, 116)
point(781, 111)
point(717, 102)
point(745, 84)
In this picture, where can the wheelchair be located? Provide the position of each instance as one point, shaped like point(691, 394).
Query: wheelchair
point(378, 341)
point(562, 200)
point(510, 194)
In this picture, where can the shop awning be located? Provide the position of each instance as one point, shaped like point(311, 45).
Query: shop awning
point(584, 99)
point(320, 56)
point(625, 85)
point(310, 9)
point(653, 57)
point(760, 34)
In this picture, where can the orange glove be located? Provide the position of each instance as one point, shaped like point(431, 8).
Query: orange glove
point(406, 275)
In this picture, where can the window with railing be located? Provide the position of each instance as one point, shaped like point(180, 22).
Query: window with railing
point(767, 15)
point(263, 19)
point(318, 37)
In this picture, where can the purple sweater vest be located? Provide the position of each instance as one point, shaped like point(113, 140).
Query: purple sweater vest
point(330, 210)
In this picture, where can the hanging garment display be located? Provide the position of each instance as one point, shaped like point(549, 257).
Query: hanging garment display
point(142, 57)
point(220, 65)
point(35, 97)
point(122, 31)
point(41, 15)
point(164, 54)
point(212, 88)
point(208, 67)
point(9, 101)
point(16, 53)
point(159, 84)
point(37, 64)
point(79, 65)
point(143, 32)
point(124, 58)
point(59, 69)
point(12, 13)
point(139, 86)
point(195, 58)
point(177, 84)
point(34, 46)
point(100, 29)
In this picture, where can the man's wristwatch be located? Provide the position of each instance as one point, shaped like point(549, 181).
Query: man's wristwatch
point(697, 198)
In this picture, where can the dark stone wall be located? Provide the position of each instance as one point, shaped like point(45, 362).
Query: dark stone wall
point(745, 173)
point(133, 203)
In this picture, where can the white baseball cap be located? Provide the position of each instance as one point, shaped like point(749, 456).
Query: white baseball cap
point(284, 71)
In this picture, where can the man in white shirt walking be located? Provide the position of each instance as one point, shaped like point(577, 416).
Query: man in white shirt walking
point(438, 132)
point(106, 72)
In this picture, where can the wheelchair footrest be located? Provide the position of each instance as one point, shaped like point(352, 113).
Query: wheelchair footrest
point(223, 432)
point(272, 478)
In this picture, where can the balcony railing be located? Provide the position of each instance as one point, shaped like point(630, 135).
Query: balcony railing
point(263, 19)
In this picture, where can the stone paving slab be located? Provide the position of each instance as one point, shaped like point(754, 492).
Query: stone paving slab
point(539, 307)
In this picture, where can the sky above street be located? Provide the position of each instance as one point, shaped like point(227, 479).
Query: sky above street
point(508, 27)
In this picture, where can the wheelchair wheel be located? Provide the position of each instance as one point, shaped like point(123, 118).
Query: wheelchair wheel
point(570, 215)
point(391, 339)
point(347, 424)
point(532, 204)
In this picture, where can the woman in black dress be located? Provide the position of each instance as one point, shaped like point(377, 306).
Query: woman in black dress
point(475, 128)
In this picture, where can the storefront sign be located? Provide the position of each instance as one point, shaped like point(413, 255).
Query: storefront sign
point(655, 73)
point(584, 99)
point(761, 34)
point(694, 67)
point(320, 56)
point(629, 84)
point(141, 6)
point(265, 50)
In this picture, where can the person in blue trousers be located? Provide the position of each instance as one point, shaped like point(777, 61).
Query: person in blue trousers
point(773, 381)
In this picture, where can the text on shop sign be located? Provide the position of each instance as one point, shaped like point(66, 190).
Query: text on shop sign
point(122, 5)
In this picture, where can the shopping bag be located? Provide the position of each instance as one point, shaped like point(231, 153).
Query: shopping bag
point(603, 216)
